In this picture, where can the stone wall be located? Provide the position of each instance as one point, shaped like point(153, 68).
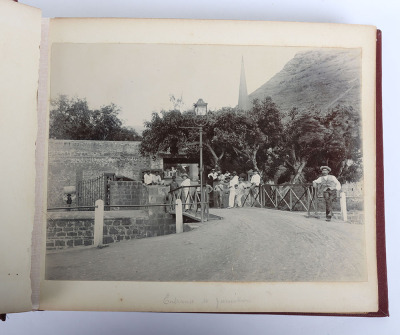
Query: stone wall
point(75, 228)
point(65, 232)
point(72, 229)
point(127, 193)
point(69, 160)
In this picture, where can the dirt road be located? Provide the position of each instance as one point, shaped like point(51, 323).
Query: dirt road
point(249, 244)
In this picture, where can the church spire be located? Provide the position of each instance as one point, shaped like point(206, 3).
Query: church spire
point(244, 101)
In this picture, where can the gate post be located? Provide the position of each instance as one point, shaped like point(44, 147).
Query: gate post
point(343, 206)
point(98, 223)
point(178, 216)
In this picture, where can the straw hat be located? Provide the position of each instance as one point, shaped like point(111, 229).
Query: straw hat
point(325, 167)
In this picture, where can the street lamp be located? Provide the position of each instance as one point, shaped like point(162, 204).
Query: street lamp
point(200, 108)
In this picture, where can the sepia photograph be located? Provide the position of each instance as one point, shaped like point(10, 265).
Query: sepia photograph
point(205, 163)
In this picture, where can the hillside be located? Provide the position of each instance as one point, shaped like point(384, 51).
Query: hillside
point(321, 77)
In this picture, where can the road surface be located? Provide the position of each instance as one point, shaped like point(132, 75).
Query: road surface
point(249, 244)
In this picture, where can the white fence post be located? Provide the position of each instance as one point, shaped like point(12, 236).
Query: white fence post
point(179, 216)
point(98, 223)
point(343, 206)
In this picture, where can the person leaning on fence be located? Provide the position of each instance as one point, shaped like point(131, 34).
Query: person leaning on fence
point(233, 183)
point(185, 190)
point(173, 192)
point(240, 191)
point(219, 189)
point(255, 183)
point(329, 186)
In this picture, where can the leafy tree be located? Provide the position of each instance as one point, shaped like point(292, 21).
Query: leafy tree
point(245, 137)
point(343, 142)
point(257, 139)
point(303, 139)
point(71, 119)
point(231, 139)
point(255, 135)
point(174, 132)
point(311, 140)
point(218, 149)
point(164, 133)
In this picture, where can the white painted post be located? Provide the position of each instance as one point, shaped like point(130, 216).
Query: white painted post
point(343, 206)
point(179, 216)
point(98, 223)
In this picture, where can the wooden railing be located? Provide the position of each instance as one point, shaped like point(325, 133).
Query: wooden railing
point(295, 197)
point(191, 199)
point(288, 197)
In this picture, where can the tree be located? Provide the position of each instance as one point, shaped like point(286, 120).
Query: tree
point(175, 132)
point(71, 119)
point(254, 135)
point(343, 142)
point(245, 137)
point(312, 139)
point(303, 139)
point(231, 139)
point(217, 148)
point(164, 133)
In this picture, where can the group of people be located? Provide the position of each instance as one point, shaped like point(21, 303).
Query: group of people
point(183, 192)
point(230, 184)
point(150, 178)
point(238, 189)
point(235, 186)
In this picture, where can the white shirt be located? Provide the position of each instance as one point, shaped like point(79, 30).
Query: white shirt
point(320, 179)
point(234, 181)
point(255, 179)
point(186, 182)
point(147, 179)
point(156, 179)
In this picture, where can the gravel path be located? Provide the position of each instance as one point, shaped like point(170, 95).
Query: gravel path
point(249, 244)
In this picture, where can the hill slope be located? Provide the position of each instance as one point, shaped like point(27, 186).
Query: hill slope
point(320, 77)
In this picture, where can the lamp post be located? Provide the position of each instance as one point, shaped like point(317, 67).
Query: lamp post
point(200, 108)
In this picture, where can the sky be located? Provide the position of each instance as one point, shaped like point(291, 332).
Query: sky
point(140, 78)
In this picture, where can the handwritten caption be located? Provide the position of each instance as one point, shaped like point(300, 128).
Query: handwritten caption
point(217, 301)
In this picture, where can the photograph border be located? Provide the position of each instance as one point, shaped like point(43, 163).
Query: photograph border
point(239, 297)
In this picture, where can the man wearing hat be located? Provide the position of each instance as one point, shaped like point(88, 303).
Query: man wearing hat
point(329, 186)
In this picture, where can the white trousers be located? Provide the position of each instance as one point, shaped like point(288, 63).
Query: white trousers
point(232, 194)
point(186, 198)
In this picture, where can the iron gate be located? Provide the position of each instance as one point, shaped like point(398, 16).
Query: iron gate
point(88, 191)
